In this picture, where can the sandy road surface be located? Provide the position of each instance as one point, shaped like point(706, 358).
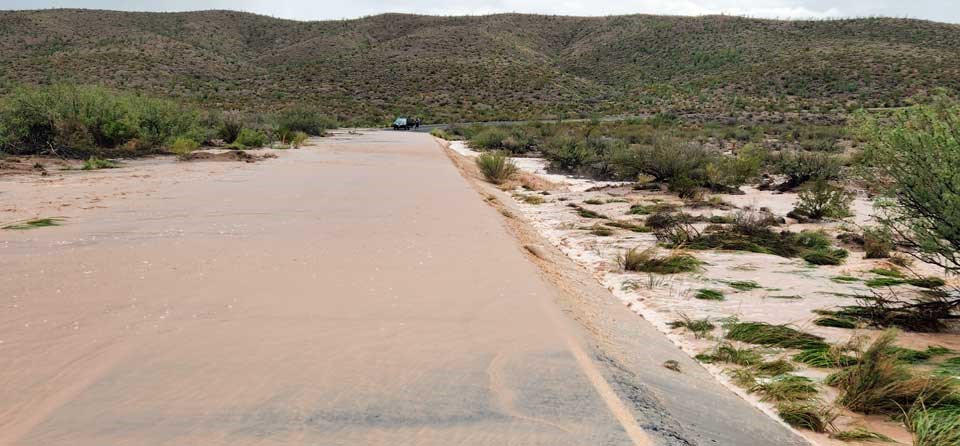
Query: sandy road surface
point(357, 292)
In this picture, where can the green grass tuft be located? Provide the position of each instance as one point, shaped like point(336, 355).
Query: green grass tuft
point(861, 434)
point(708, 294)
point(35, 223)
point(95, 163)
point(646, 261)
point(786, 388)
point(836, 322)
point(805, 415)
point(763, 333)
point(743, 285)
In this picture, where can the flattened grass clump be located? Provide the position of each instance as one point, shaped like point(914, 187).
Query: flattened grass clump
point(830, 357)
point(708, 294)
point(826, 256)
point(844, 279)
point(783, 336)
point(496, 167)
point(628, 226)
point(601, 231)
point(699, 327)
point(934, 426)
point(786, 388)
point(774, 368)
point(881, 384)
point(637, 260)
point(586, 213)
point(950, 367)
point(806, 415)
point(725, 352)
point(860, 434)
point(34, 224)
point(923, 282)
point(836, 322)
point(97, 163)
point(743, 285)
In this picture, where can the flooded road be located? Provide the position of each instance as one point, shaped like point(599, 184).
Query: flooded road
point(355, 292)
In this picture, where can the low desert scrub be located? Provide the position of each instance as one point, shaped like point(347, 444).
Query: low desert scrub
point(880, 383)
point(249, 139)
point(304, 119)
point(183, 147)
point(646, 260)
point(298, 138)
point(96, 163)
point(783, 336)
point(877, 242)
point(496, 167)
point(822, 200)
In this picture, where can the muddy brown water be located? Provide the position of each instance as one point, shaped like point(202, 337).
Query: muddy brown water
point(356, 292)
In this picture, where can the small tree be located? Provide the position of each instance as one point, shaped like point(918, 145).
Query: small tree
point(916, 155)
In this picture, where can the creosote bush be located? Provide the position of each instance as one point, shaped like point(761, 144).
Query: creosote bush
point(823, 200)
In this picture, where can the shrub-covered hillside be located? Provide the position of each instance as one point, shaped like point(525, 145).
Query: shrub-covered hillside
point(492, 67)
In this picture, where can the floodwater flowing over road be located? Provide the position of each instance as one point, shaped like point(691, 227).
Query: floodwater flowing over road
point(355, 292)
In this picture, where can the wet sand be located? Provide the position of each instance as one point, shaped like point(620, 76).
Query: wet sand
point(357, 292)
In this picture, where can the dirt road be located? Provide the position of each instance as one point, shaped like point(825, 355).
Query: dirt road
point(356, 292)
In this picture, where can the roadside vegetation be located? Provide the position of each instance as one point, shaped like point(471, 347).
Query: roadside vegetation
point(95, 123)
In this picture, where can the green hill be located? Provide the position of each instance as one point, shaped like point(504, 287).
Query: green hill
point(492, 67)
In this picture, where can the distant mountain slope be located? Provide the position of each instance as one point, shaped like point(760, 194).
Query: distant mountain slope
point(500, 66)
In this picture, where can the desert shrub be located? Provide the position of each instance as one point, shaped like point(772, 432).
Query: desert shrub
point(801, 167)
point(567, 153)
point(496, 167)
point(182, 147)
point(490, 138)
point(305, 119)
point(877, 242)
point(439, 133)
point(250, 139)
point(298, 138)
point(647, 261)
point(231, 124)
point(823, 200)
point(733, 171)
point(80, 121)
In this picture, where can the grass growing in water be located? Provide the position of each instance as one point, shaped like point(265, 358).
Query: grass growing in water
point(829, 357)
point(646, 261)
point(806, 415)
point(708, 294)
point(860, 434)
point(95, 163)
point(881, 384)
point(763, 333)
point(836, 322)
point(786, 388)
point(35, 223)
point(743, 285)
point(844, 279)
point(934, 426)
point(725, 352)
point(699, 327)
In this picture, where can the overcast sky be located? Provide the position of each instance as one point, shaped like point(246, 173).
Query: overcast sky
point(940, 10)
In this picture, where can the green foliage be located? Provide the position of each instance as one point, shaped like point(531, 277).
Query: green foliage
point(699, 327)
point(249, 138)
point(34, 223)
point(96, 163)
point(773, 335)
point(183, 147)
point(496, 167)
point(82, 121)
point(646, 261)
point(801, 167)
point(786, 388)
point(743, 285)
point(934, 426)
point(805, 415)
point(881, 384)
point(836, 322)
point(877, 242)
point(915, 153)
point(230, 125)
point(861, 434)
point(824, 357)
point(298, 138)
point(724, 352)
point(823, 200)
point(707, 294)
point(305, 119)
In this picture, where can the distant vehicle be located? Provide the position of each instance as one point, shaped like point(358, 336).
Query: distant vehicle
point(406, 124)
point(401, 124)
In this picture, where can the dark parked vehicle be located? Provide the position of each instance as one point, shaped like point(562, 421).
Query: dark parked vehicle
point(406, 124)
